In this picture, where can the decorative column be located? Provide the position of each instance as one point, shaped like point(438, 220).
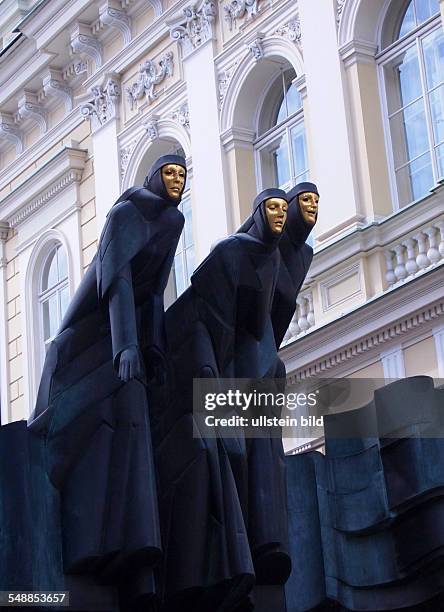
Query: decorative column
point(393, 363)
point(327, 128)
point(195, 34)
point(361, 80)
point(103, 112)
point(4, 352)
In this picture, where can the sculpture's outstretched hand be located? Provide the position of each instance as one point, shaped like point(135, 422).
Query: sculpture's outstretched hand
point(130, 364)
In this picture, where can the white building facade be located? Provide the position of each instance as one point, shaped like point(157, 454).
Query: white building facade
point(255, 93)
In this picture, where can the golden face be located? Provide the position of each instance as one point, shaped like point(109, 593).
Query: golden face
point(173, 177)
point(308, 203)
point(276, 211)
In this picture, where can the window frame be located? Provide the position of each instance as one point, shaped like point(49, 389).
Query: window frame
point(44, 295)
point(279, 131)
point(412, 39)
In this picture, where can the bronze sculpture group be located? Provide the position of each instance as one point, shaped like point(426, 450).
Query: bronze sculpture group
point(176, 522)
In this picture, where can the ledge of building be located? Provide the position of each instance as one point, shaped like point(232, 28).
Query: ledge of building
point(64, 168)
point(328, 349)
point(377, 234)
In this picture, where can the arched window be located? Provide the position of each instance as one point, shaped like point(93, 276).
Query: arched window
point(281, 150)
point(413, 76)
point(53, 293)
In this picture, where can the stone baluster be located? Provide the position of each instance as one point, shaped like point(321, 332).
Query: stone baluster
point(302, 321)
point(440, 226)
point(411, 266)
point(400, 271)
point(390, 274)
point(432, 253)
point(310, 315)
point(294, 328)
point(421, 259)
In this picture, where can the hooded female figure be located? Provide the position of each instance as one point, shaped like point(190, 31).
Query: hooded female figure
point(296, 255)
point(92, 403)
point(220, 510)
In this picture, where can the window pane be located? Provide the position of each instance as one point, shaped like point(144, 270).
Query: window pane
point(409, 133)
point(433, 46)
point(189, 254)
point(275, 164)
point(440, 160)
point(294, 100)
point(282, 113)
point(415, 180)
point(179, 274)
point(188, 228)
point(299, 150)
point(426, 9)
point(50, 317)
point(437, 111)
point(408, 23)
point(281, 162)
point(408, 77)
point(63, 264)
point(50, 276)
point(64, 301)
point(403, 80)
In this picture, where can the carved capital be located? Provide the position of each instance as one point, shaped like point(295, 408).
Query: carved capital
point(29, 108)
point(113, 16)
point(196, 27)
point(104, 104)
point(11, 132)
point(240, 10)
point(149, 77)
point(53, 85)
point(82, 41)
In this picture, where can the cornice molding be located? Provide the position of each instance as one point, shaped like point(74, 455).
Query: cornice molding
point(69, 177)
point(31, 155)
point(62, 170)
